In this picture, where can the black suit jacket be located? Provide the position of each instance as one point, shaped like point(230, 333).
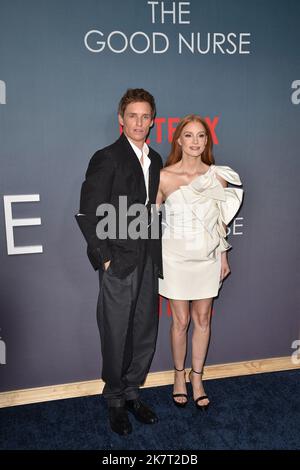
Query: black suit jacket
point(112, 172)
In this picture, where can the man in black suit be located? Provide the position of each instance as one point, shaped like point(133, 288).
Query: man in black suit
point(125, 172)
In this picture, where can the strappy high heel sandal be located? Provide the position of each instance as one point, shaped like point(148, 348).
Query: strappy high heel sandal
point(203, 397)
point(176, 395)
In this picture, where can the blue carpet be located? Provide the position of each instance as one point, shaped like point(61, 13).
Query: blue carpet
point(250, 412)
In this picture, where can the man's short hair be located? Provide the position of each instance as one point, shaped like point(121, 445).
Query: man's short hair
point(134, 95)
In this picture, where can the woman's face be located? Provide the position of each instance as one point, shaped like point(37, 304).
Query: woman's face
point(193, 139)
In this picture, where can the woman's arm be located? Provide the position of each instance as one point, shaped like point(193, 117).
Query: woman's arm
point(160, 193)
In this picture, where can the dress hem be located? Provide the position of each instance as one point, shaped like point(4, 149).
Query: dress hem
point(190, 298)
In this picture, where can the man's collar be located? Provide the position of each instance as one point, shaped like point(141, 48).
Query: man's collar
point(137, 150)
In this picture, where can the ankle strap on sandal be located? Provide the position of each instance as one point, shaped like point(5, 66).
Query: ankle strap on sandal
point(179, 370)
point(195, 372)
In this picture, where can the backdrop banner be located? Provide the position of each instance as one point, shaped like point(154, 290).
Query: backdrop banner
point(64, 65)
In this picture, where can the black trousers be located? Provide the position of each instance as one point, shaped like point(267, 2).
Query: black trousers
point(127, 315)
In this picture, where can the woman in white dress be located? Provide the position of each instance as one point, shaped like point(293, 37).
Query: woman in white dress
point(198, 206)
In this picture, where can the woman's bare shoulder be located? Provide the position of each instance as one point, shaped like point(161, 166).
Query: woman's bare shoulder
point(169, 171)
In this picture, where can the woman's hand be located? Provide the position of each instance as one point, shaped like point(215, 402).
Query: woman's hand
point(225, 269)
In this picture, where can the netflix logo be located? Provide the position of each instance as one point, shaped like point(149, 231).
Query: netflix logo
point(164, 128)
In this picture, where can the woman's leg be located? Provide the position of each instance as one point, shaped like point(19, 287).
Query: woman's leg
point(201, 315)
point(178, 333)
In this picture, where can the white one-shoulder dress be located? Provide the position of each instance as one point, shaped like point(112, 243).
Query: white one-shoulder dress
point(194, 235)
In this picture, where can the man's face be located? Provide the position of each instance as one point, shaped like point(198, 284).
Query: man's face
point(137, 121)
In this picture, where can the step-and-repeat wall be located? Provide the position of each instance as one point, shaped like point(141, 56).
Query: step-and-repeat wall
point(64, 64)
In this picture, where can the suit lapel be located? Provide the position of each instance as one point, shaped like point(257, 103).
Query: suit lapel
point(136, 166)
point(150, 185)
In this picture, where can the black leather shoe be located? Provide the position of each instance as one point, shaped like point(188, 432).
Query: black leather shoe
point(118, 420)
point(141, 411)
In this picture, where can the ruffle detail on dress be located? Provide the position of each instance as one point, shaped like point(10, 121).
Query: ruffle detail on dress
point(229, 207)
point(228, 174)
point(230, 204)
